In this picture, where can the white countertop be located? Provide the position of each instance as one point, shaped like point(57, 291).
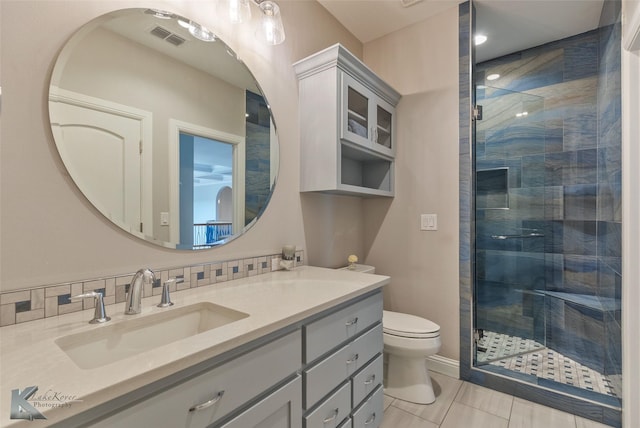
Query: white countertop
point(29, 355)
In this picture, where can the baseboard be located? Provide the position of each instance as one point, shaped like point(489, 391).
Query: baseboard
point(444, 365)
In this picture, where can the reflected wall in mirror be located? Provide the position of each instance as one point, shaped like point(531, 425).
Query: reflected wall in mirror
point(167, 134)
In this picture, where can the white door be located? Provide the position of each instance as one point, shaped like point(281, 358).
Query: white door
point(101, 150)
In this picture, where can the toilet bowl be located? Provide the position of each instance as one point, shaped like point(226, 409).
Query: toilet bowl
point(408, 341)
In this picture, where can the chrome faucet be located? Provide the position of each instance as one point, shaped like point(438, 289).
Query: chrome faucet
point(134, 298)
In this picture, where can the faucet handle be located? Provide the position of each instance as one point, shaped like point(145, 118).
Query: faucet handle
point(165, 301)
point(100, 314)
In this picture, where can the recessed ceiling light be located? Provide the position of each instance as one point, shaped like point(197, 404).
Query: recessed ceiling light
point(479, 39)
point(493, 76)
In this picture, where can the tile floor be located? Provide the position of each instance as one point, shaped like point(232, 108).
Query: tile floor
point(464, 405)
point(530, 357)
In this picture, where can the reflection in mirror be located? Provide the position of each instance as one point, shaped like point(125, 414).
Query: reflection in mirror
point(165, 131)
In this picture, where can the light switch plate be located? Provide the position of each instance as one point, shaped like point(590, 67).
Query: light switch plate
point(429, 222)
point(164, 219)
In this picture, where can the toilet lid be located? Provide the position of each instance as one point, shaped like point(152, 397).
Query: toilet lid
point(406, 325)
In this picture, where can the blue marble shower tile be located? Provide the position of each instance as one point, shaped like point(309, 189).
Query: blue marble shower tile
point(566, 168)
point(608, 279)
point(554, 134)
point(534, 70)
point(526, 203)
point(554, 271)
point(580, 275)
point(581, 59)
point(609, 239)
point(513, 141)
point(533, 170)
point(554, 237)
point(613, 355)
point(579, 237)
point(581, 130)
point(524, 270)
point(580, 202)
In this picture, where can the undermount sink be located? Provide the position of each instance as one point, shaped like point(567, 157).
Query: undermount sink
point(104, 345)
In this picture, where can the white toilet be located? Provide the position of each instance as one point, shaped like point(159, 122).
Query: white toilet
point(408, 341)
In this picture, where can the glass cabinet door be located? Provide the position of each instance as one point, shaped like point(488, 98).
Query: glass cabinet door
point(366, 119)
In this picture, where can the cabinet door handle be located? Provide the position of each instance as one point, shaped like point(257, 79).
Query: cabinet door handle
point(352, 322)
point(371, 379)
point(330, 418)
point(371, 419)
point(209, 403)
point(352, 359)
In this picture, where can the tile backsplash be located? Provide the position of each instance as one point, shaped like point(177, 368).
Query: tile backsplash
point(55, 299)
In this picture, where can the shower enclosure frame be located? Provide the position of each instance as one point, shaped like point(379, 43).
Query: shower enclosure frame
point(536, 393)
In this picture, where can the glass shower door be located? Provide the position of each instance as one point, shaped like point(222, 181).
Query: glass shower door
point(510, 213)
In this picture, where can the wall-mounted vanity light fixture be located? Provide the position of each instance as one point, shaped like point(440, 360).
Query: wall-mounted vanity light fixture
point(270, 29)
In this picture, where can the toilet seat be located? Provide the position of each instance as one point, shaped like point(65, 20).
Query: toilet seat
point(410, 326)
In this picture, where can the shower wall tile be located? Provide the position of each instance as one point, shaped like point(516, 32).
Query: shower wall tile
point(567, 168)
point(609, 239)
point(554, 134)
point(554, 203)
point(581, 59)
point(580, 275)
point(515, 140)
point(580, 202)
point(579, 237)
point(533, 169)
point(609, 281)
point(581, 128)
point(610, 184)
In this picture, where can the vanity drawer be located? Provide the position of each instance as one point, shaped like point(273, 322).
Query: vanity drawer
point(332, 411)
point(369, 414)
point(326, 333)
point(330, 372)
point(366, 380)
point(206, 398)
point(280, 409)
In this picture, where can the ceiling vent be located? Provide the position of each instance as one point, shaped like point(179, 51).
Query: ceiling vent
point(407, 3)
point(167, 36)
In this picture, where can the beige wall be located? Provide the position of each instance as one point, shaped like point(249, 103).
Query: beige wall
point(49, 232)
point(421, 62)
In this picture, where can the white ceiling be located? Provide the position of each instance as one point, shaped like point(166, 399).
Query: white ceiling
point(511, 25)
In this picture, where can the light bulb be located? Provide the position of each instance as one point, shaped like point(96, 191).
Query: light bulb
point(271, 29)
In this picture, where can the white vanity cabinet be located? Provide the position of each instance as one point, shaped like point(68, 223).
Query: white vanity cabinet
point(342, 377)
point(347, 125)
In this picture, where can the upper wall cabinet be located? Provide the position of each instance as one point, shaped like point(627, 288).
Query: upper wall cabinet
point(347, 126)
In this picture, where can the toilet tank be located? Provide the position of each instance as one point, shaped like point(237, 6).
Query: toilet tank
point(361, 268)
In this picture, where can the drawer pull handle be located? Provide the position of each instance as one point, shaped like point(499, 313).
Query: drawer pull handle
point(209, 403)
point(352, 322)
point(371, 419)
point(352, 359)
point(335, 415)
point(371, 379)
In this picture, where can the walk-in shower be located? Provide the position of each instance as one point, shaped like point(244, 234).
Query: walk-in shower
point(541, 220)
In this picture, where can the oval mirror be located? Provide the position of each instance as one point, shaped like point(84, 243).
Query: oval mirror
point(163, 129)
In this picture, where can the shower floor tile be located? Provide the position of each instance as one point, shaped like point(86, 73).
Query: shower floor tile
point(530, 357)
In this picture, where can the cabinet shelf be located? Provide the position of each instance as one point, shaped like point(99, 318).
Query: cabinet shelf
point(347, 124)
